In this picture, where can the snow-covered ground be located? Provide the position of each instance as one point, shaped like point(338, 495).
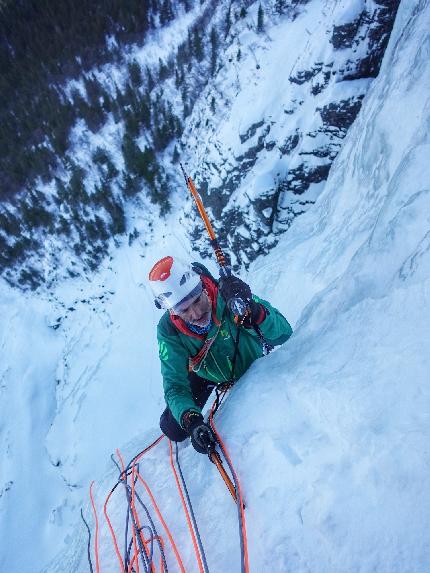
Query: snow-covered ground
point(329, 434)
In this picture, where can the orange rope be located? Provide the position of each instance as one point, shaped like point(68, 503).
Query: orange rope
point(96, 541)
point(146, 450)
point(239, 491)
point(113, 532)
point(187, 515)
point(135, 474)
point(160, 517)
point(136, 551)
point(156, 538)
point(132, 560)
point(136, 518)
point(133, 507)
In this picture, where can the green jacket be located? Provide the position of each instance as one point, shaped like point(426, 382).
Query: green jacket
point(176, 349)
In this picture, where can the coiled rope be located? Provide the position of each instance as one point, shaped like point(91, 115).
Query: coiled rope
point(140, 547)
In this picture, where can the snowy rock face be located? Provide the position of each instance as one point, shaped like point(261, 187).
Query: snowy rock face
point(254, 97)
point(299, 87)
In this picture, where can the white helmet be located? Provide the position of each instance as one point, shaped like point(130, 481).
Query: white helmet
point(174, 283)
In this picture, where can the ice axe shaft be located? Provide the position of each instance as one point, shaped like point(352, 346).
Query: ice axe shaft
point(237, 305)
point(215, 458)
point(200, 206)
point(222, 263)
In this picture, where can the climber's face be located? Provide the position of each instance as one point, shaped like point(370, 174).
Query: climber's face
point(199, 311)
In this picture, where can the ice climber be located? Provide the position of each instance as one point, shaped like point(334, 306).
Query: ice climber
point(197, 337)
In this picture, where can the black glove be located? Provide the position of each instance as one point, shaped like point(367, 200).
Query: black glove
point(201, 434)
point(233, 287)
point(256, 314)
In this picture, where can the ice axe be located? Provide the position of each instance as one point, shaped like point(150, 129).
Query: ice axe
point(215, 458)
point(237, 305)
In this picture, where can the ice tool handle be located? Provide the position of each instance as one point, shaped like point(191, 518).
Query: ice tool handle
point(236, 305)
point(207, 442)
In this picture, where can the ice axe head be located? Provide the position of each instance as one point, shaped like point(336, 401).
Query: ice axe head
point(237, 306)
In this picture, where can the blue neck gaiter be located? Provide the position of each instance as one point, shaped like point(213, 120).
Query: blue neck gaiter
point(199, 329)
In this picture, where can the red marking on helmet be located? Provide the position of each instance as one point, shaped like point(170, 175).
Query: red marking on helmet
point(161, 270)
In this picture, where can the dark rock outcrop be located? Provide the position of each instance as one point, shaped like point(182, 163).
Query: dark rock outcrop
point(341, 114)
point(344, 35)
point(300, 178)
point(290, 143)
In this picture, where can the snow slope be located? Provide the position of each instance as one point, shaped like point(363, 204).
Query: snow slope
point(329, 434)
point(79, 376)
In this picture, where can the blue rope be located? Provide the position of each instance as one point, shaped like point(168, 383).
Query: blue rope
point(196, 529)
point(89, 541)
